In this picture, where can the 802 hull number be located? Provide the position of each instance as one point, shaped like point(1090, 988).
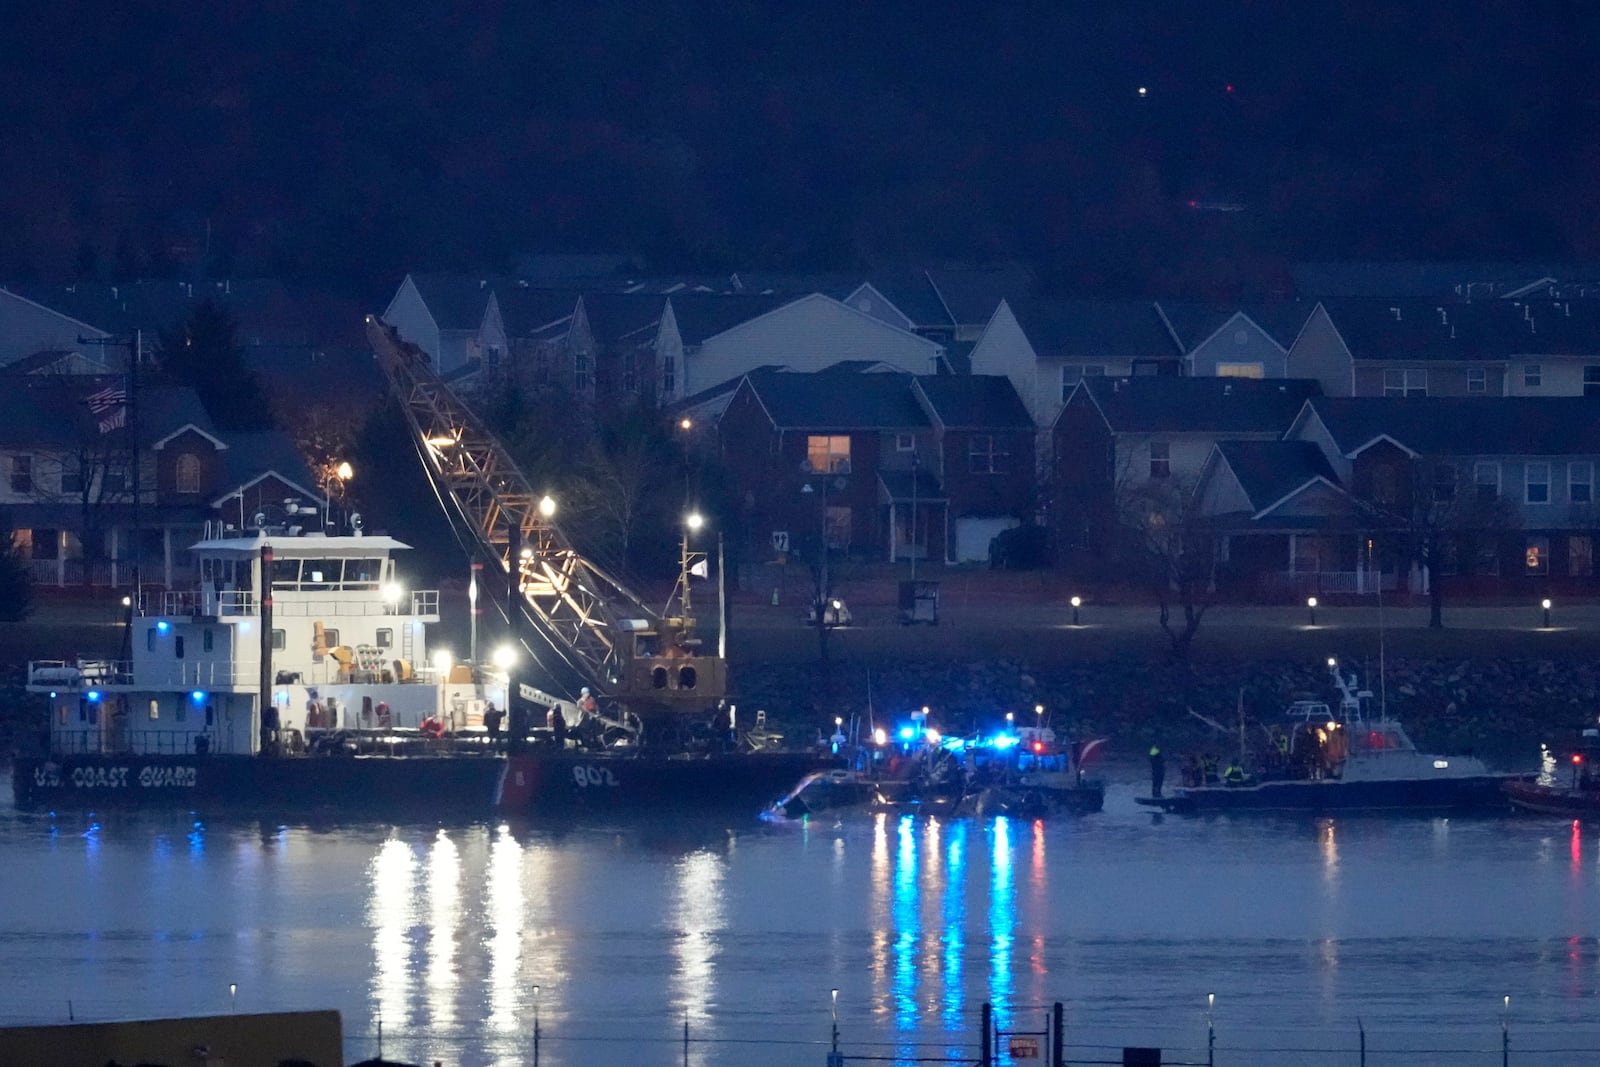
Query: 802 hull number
point(587, 776)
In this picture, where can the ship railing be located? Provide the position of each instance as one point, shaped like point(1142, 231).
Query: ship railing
point(110, 741)
point(230, 602)
point(423, 602)
point(80, 673)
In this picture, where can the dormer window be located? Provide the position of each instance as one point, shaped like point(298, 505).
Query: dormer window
point(186, 473)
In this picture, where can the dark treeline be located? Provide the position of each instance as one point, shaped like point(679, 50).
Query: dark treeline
point(345, 143)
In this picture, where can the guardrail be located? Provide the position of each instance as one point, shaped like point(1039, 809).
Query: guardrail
point(236, 603)
point(110, 741)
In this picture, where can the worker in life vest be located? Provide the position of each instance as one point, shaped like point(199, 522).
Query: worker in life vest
point(385, 719)
point(586, 702)
point(1233, 775)
point(432, 727)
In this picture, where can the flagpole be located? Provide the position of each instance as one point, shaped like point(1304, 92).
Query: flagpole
point(133, 451)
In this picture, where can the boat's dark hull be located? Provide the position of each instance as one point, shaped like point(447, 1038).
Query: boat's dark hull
point(575, 780)
point(1549, 800)
point(520, 784)
point(1434, 794)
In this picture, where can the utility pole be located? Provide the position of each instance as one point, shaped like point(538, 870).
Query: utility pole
point(135, 345)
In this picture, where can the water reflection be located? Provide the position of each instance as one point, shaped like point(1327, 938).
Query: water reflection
point(699, 916)
point(444, 915)
point(952, 887)
point(503, 908)
point(907, 929)
point(1002, 921)
point(391, 892)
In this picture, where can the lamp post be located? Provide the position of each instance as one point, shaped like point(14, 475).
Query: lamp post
point(686, 425)
point(339, 473)
point(691, 522)
point(1077, 602)
point(1545, 603)
point(1311, 606)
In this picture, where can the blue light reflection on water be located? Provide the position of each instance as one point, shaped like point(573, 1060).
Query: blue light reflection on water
point(1419, 926)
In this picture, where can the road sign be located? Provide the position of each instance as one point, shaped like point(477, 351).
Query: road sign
point(1024, 1048)
point(780, 540)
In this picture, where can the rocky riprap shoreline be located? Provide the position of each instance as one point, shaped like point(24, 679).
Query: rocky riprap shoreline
point(1498, 708)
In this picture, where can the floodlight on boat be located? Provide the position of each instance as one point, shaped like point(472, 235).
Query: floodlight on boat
point(933, 736)
point(694, 520)
point(547, 505)
point(442, 441)
point(443, 660)
point(392, 591)
point(1440, 764)
point(880, 736)
point(504, 657)
point(1332, 662)
point(127, 601)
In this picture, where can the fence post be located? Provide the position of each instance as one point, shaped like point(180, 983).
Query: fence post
point(986, 1047)
point(1058, 1030)
point(1361, 1027)
point(1505, 1034)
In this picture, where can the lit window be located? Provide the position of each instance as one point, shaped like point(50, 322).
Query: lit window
point(1536, 555)
point(986, 455)
point(830, 454)
point(186, 473)
point(1537, 488)
point(155, 709)
point(1477, 380)
point(1160, 459)
point(1240, 370)
point(1580, 482)
point(1532, 375)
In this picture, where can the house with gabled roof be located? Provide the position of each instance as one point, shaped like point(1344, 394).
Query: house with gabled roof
point(67, 478)
point(1047, 346)
point(983, 458)
point(28, 328)
point(454, 318)
point(1115, 436)
point(1515, 347)
point(1242, 342)
point(1535, 456)
point(971, 295)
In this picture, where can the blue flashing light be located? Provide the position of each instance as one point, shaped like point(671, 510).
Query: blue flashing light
point(198, 696)
point(1004, 741)
point(52, 694)
point(94, 696)
point(907, 733)
point(955, 744)
point(163, 625)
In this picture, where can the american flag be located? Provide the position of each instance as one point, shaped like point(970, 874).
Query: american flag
point(109, 406)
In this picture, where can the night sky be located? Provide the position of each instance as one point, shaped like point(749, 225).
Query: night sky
point(349, 142)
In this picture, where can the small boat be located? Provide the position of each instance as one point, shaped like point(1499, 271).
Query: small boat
point(1575, 794)
point(1021, 772)
point(1353, 757)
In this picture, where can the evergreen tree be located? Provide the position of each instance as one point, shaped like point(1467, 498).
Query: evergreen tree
point(204, 354)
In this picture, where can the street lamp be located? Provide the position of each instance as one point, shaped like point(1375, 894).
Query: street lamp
point(339, 473)
point(1311, 606)
point(1077, 602)
point(1545, 603)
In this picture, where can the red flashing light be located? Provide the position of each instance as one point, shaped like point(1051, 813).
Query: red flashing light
point(1577, 757)
point(1228, 88)
point(1038, 746)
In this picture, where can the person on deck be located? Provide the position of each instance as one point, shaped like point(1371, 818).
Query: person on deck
point(491, 721)
point(1158, 770)
point(586, 702)
point(558, 725)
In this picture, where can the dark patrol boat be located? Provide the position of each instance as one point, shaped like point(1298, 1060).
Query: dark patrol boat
point(1353, 757)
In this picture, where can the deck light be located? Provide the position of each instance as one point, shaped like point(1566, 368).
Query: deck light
point(880, 736)
point(1332, 662)
point(163, 626)
point(504, 657)
point(198, 696)
point(694, 520)
point(547, 505)
point(127, 601)
point(93, 695)
point(392, 591)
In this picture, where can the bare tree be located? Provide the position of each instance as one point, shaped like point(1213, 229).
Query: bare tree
point(1173, 548)
point(1445, 513)
point(92, 470)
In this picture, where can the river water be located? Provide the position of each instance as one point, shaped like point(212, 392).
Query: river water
point(442, 942)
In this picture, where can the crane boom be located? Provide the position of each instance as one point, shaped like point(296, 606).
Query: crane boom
point(605, 631)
